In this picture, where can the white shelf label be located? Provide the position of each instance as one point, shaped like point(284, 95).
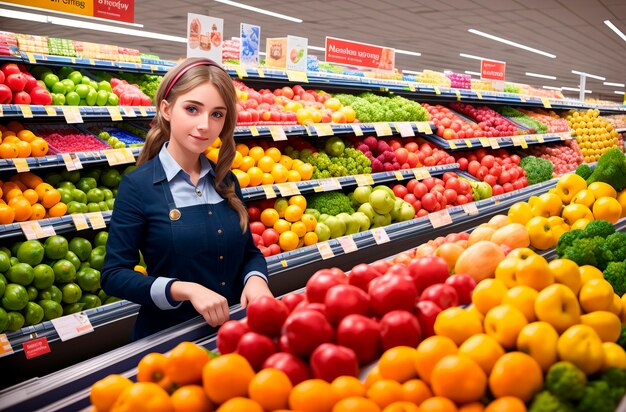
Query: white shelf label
point(325, 250)
point(80, 221)
point(97, 220)
point(405, 129)
point(347, 244)
point(380, 235)
point(71, 326)
point(440, 218)
point(470, 208)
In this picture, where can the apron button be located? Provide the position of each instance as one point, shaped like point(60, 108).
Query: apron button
point(219, 231)
point(210, 213)
point(223, 283)
point(221, 257)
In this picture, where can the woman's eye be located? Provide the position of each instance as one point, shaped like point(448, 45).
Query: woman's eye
point(218, 115)
point(192, 109)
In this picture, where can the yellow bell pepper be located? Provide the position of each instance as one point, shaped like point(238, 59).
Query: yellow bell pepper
point(540, 232)
point(568, 186)
point(548, 204)
point(524, 267)
point(559, 226)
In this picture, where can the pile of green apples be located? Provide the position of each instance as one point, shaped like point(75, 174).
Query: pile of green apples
point(71, 87)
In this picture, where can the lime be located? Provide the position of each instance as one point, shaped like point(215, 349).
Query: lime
point(5, 250)
point(101, 238)
point(15, 297)
point(84, 208)
point(32, 293)
point(73, 308)
point(56, 247)
point(110, 178)
point(4, 320)
point(79, 196)
point(30, 252)
point(74, 207)
point(73, 176)
point(129, 169)
point(5, 262)
point(95, 195)
point(90, 300)
point(66, 195)
point(3, 286)
point(44, 276)
point(53, 179)
point(103, 206)
point(51, 309)
point(33, 313)
point(14, 248)
point(88, 279)
point(110, 203)
point(102, 295)
point(64, 271)
point(66, 184)
point(85, 265)
point(93, 207)
point(71, 293)
point(71, 256)
point(51, 293)
point(114, 192)
point(96, 259)
point(108, 194)
point(93, 173)
point(86, 184)
point(22, 274)
point(81, 247)
point(14, 261)
point(16, 321)
point(111, 299)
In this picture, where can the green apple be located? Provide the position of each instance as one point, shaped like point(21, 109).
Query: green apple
point(66, 184)
point(72, 99)
point(79, 196)
point(82, 102)
point(85, 80)
point(93, 207)
point(381, 201)
point(362, 194)
point(113, 99)
point(104, 85)
point(407, 212)
point(119, 145)
point(352, 225)
point(103, 97)
point(66, 195)
point(337, 227)
point(58, 99)
point(73, 207)
point(91, 98)
point(362, 219)
point(110, 203)
point(395, 212)
point(322, 231)
point(69, 85)
point(64, 72)
point(59, 87)
point(314, 212)
point(108, 194)
point(381, 220)
point(50, 79)
point(76, 77)
point(323, 217)
point(112, 140)
point(367, 210)
point(73, 176)
point(103, 206)
point(386, 189)
point(94, 84)
point(82, 90)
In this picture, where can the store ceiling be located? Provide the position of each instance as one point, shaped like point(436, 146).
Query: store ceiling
point(573, 30)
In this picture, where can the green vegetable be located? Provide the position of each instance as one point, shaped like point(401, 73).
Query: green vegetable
point(611, 169)
point(537, 169)
point(621, 341)
point(331, 203)
point(587, 251)
point(566, 240)
point(616, 378)
point(546, 402)
point(370, 107)
point(615, 245)
point(600, 228)
point(584, 171)
point(615, 274)
point(565, 381)
point(351, 162)
point(534, 125)
point(599, 396)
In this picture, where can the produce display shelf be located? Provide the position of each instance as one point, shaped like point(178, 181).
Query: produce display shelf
point(62, 224)
point(154, 67)
point(89, 112)
point(343, 182)
point(620, 130)
point(492, 142)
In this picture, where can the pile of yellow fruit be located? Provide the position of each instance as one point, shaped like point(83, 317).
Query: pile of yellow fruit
point(594, 134)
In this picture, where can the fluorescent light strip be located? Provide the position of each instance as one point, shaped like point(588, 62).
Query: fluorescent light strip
point(589, 75)
point(511, 43)
point(410, 72)
point(613, 84)
point(573, 89)
point(552, 88)
point(615, 29)
point(471, 56)
point(20, 15)
point(618, 92)
point(410, 53)
point(472, 73)
point(258, 10)
point(543, 76)
point(316, 48)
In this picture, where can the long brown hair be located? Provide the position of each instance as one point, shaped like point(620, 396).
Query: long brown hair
point(160, 128)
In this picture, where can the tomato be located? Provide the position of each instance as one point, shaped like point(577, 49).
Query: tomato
point(390, 292)
point(321, 281)
point(294, 367)
point(426, 271)
point(399, 328)
point(306, 330)
point(266, 315)
point(229, 334)
point(292, 300)
point(361, 275)
point(362, 335)
point(330, 361)
point(344, 300)
point(256, 348)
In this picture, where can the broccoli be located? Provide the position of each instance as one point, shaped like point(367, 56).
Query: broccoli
point(546, 402)
point(600, 228)
point(331, 203)
point(615, 377)
point(598, 396)
point(621, 341)
point(611, 169)
point(566, 240)
point(537, 169)
point(586, 251)
point(616, 243)
point(584, 171)
point(565, 381)
point(615, 274)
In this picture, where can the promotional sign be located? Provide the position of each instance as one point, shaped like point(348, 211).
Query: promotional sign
point(250, 43)
point(351, 53)
point(204, 37)
point(297, 53)
point(276, 53)
point(495, 71)
point(120, 10)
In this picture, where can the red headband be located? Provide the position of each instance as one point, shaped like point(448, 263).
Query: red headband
point(183, 71)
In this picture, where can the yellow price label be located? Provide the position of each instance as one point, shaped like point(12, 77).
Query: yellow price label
point(411, 87)
point(323, 129)
point(468, 143)
point(51, 110)
point(115, 113)
point(153, 68)
point(283, 263)
point(297, 76)
point(421, 173)
point(129, 111)
point(269, 192)
point(32, 230)
point(452, 144)
point(364, 180)
point(437, 91)
point(142, 111)
point(31, 58)
point(254, 131)
point(484, 142)
point(494, 144)
point(479, 95)
point(382, 129)
point(92, 62)
point(72, 114)
point(26, 111)
point(260, 72)
point(1, 111)
point(423, 127)
point(118, 156)
point(288, 189)
point(21, 165)
point(241, 72)
point(546, 103)
point(458, 94)
point(522, 98)
point(5, 346)
point(96, 220)
point(398, 175)
point(440, 218)
point(356, 128)
point(325, 250)
point(278, 133)
point(523, 143)
point(540, 138)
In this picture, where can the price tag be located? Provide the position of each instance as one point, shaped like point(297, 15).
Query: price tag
point(32, 230)
point(288, 189)
point(405, 129)
point(297, 76)
point(79, 221)
point(325, 250)
point(347, 244)
point(36, 347)
point(254, 131)
point(71, 326)
point(92, 62)
point(26, 111)
point(546, 103)
point(382, 129)
point(516, 141)
point(522, 98)
point(421, 173)
point(142, 111)
point(323, 129)
point(437, 91)
point(48, 231)
point(31, 58)
point(523, 142)
point(96, 220)
point(51, 110)
point(494, 144)
point(73, 60)
point(241, 72)
point(468, 143)
point(540, 138)
point(1, 111)
point(479, 95)
point(440, 218)
point(423, 127)
point(411, 87)
point(398, 174)
point(260, 72)
point(153, 68)
point(380, 235)
point(364, 180)
point(470, 208)
point(484, 142)
point(278, 133)
point(114, 157)
point(284, 263)
point(21, 165)
point(129, 111)
point(356, 128)
point(116, 116)
point(458, 95)
point(72, 162)
point(72, 114)
point(269, 191)
point(452, 145)
point(329, 185)
point(5, 346)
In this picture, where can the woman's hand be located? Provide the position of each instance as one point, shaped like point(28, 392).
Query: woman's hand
point(212, 306)
point(255, 287)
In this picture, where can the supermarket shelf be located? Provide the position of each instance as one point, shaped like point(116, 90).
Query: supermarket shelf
point(63, 224)
point(86, 112)
point(521, 141)
point(338, 183)
point(621, 130)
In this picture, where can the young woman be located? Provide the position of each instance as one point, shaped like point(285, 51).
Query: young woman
point(184, 212)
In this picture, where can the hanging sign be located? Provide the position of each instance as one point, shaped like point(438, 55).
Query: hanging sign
point(250, 43)
point(119, 10)
point(205, 35)
point(495, 71)
point(351, 53)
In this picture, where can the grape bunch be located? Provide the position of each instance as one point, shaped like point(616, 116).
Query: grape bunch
point(350, 162)
point(370, 107)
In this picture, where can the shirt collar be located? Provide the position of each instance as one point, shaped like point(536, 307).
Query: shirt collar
point(172, 168)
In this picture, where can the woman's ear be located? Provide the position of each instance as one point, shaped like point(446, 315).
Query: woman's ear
point(165, 109)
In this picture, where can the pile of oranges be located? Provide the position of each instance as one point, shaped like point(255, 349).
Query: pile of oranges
point(26, 197)
point(294, 227)
point(17, 142)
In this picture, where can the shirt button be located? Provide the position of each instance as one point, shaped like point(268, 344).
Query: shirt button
point(219, 231)
point(221, 257)
point(223, 283)
point(210, 212)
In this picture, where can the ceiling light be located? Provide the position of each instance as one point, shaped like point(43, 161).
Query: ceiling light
point(614, 84)
point(20, 15)
point(574, 89)
point(552, 88)
point(258, 10)
point(316, 48)
point(471, 56)
point(410, 72)
point(511, 43)
point(588, 75)
point(615, 29)
point(410, 53)
point(472, 73)
point(543, 76)
point(618, 92)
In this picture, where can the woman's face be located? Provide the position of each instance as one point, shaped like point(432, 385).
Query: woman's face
point(196, 119)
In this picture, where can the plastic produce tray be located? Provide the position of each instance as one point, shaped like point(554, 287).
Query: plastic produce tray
point(122, 135)
point(43, 130)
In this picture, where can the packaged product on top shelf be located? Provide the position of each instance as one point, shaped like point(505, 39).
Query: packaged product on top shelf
point(554, 123)
point(32, 43)
point(431, 77)
point(484, 85)
point(7, 39)
point(128, 55)
point(459, 80)
point(61, 47)
point(565, 156)
point(230, 50)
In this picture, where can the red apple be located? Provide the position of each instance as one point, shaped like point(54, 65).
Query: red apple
point(426, 312)
point(464, 284)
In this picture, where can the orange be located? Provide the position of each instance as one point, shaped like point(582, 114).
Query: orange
point(7, 214)
point(191, 398)
point(8, 133)
point(402, 406)
point(487, 294)
point(296, 164)
point(506, 404)
point(347, 386)
point(269, 217)
point(416, 391)
point(22, 208)
point(185, 362)
point(273, 153)
point(305, 171)
point(11, 193)
point(372, 377)
point(226, 377)
point(38, 212)
point(482, 349)
point(105, 392)
point(398, 364)
point(286, 161)
point(298, 228)
point(242, 177)
point(31, 196)
point(213, 155)
point(385, 392)
point(265, 163)
point(282, 226)
point(472, 407)
point(356, 404)
point(143, 396)
point(240, 404)
point(299, 201)
point(310, 239)
point(313, 395)
point(30, 179)
point(246, 163)
point(8, 151)
point(26, 135)
point(268, 179)
point(288, 240)
point(457, 324)
point(309, 221)
point(523, 298)
point(293, 176)
point(256, 176)
point(41, 189)
point(438, 404)
point(11, 139)
point(243, 149)
point(504, 323)
point(279, 172)
point(256, 153)
point(236, 160)
point(516, 374)
point(217, 143)
point(58, 210)
point(293, 213)
point(459, 379)
point(151, 368)
point(430, 351)
point(270, 388)
point(14, 126)
point(23, 149)
point(38, 147)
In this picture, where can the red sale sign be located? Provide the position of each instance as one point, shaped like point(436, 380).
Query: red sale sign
point(120, 10)
point(351, 53)
point(492, 70)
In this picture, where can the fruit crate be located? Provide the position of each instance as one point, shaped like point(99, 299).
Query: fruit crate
point(122, 135)
point(67, 139)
